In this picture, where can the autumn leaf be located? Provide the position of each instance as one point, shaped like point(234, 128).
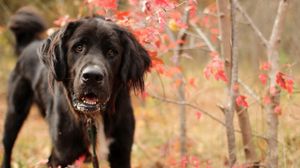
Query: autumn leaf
point(198, 115)
point(107, 4)
point(216, 68)
point(133, 2)
point(162, 2)
point(265, 66)
point(214, 31)
point(273, 91)
point(278, 110)
point(241, 101)
point(79, 162)
point(158, 67)
point(121, 15)
point(173, 25)
point(144, 95)
point(267, 100)
point(285, 82)
point(61, 21)
point(214, 54)
point(192, 82)
point(263, 78)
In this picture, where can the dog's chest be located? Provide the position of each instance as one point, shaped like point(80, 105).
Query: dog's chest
point(102, 142)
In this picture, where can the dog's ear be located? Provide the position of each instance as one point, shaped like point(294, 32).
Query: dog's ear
point(53, 51)
point(135, 61)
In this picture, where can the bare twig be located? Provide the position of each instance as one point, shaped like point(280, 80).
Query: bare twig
point(145, 151)
point(205, 112)
point(249, 90)
point(162, 84)
point(252, 24)
point(188, 105)
point(203, 36)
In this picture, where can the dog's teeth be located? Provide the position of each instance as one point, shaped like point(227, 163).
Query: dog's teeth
point(91, 102)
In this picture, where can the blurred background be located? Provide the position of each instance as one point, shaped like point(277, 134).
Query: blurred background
point(157, 139)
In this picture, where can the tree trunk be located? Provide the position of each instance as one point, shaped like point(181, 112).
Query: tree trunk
point(181, 89)
point(273, 58)
point(232, 69)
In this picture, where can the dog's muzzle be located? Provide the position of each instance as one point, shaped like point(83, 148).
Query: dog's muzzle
point(86, 105)
point(92, 96)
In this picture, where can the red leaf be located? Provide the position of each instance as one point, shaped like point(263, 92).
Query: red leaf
point(152, 53)
point(161, 19)
point(263, 78)
point(107, 4)
point(241, 101)
point(172, 71)
point(198, 115)
point(285, 82)
point(147, 7)
point(221, 75)
point(192, 82)
point(184, 162)
point(62, 20)
point(157, 43)
point(159, 68)
point(176, 15)
point(215, 67)
point(290, 86)
point(177, 83)
point(144, 95)
point(195, 162)
point(278, 110)
point(273, 90)
point(280, 80)
point(193, 8)
point(214, 31)
point(265, 66)
point(161, 2)
point(208, 71)
point(155, 61)
point(121, 15)
point(267, 100)
point(133, 2)
point(214, 54)
point(79, 161)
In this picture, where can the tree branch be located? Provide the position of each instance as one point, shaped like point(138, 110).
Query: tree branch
point(249, 90)
point(252, 24)
point(198, 109)
point(203, 36)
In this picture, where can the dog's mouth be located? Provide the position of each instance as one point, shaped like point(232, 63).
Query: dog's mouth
point(89, 103)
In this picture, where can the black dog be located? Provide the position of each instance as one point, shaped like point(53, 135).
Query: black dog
point(90, 65)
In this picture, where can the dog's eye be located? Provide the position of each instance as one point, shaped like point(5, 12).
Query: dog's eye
point(111, 53)
point(78, 48)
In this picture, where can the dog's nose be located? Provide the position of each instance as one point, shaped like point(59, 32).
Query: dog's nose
point(92, 74)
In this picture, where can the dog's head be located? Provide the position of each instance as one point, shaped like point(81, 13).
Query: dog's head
point(93, 58)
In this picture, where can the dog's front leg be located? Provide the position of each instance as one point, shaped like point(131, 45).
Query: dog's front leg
point(120, 148)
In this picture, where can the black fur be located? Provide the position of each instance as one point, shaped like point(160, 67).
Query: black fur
point(27, 25)
point(120, 61)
